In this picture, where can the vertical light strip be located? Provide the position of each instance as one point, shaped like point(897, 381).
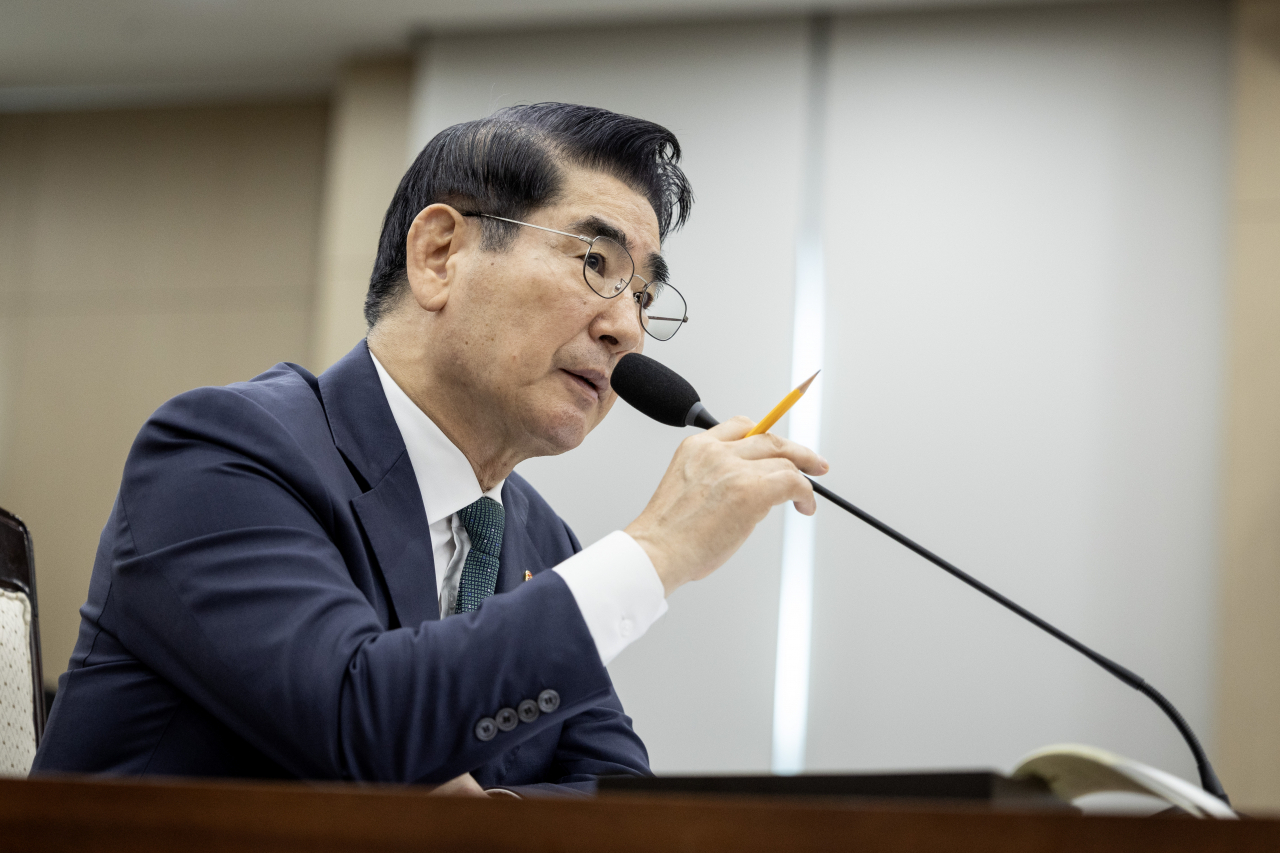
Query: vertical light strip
point(795, 602)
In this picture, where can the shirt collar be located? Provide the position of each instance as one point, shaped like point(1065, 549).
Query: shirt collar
point(445, 477)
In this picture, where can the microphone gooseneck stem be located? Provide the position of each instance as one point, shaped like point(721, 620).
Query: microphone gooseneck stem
point(1208, 779)
point(700, 417)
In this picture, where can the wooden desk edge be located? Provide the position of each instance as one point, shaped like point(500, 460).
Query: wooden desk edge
point(78, 813)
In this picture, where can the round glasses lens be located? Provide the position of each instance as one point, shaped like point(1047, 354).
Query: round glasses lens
point(607, 267)
point(662, 310)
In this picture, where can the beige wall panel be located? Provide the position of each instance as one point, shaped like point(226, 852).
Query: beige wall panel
point(145, 253)
point(1249, 740)
point(176, 202)
point(1258, 101)
point(19, 137)
point(368, 153)
point(12, 337)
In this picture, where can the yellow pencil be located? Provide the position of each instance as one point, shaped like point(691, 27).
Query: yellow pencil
point(781, 409)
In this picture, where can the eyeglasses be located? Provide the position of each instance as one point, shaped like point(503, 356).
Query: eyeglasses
point(609, 270)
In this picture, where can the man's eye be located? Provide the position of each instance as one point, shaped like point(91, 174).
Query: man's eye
point(595, 262)
point(644, 299)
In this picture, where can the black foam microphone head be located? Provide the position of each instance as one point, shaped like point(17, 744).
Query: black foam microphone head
point(654, 389)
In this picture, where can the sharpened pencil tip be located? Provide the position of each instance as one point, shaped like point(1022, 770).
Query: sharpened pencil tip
point(804, 386)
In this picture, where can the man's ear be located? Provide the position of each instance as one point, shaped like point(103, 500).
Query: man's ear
point(435, 239)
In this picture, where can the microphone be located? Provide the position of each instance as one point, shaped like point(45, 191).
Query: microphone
point(659, 392)
point(664, 395)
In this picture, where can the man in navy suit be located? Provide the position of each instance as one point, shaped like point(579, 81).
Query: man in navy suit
point(341, 578)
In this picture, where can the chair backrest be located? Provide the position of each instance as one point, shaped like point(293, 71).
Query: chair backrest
point(22, 711)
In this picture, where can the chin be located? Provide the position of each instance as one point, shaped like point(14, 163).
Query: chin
point(563, 431)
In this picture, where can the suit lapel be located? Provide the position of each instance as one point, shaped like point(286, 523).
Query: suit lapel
point(396, 524)
point(360, 417)
point(390, 509)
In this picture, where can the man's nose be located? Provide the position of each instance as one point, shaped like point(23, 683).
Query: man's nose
point(618, 323)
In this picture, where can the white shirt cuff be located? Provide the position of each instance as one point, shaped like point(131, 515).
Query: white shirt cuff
point(617, 590)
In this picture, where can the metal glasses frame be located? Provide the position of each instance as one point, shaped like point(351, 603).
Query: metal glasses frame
point(639, 295)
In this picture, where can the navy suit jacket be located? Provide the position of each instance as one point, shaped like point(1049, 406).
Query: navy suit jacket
point(263, 604)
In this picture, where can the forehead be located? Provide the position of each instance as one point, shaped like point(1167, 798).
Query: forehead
point(598, 203)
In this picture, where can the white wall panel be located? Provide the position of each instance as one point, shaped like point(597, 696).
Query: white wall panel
point(1024, 268)
point(699, 685)
point(1025, 272)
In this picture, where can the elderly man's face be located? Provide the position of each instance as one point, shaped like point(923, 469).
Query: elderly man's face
point(530, 343)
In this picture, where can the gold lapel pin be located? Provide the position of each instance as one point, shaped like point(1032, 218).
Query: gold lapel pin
point(528, 575)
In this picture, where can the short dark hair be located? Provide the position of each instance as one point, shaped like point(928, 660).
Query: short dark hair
point(509, 165)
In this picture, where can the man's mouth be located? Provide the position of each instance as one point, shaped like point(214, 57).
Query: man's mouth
point(593, 381)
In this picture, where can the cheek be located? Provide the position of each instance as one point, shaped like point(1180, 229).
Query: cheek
point(541, 334)
point(528, 318)
point(527, 349)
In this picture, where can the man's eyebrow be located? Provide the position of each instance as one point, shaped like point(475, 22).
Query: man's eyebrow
point(658, 268)
point(594, 226)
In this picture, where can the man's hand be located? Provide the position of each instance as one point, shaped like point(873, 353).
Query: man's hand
point(718, 487)
point(459, 786)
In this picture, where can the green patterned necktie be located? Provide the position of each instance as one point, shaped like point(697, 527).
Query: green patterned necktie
point(483, 522)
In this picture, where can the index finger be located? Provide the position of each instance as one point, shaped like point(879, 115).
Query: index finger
point(769, 446)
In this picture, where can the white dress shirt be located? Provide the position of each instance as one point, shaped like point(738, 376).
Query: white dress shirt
point(613, 581)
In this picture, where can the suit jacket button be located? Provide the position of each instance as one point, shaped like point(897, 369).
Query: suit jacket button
point(548, 701)
point(528, 711)
point(486, 729)
point(507, 719)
